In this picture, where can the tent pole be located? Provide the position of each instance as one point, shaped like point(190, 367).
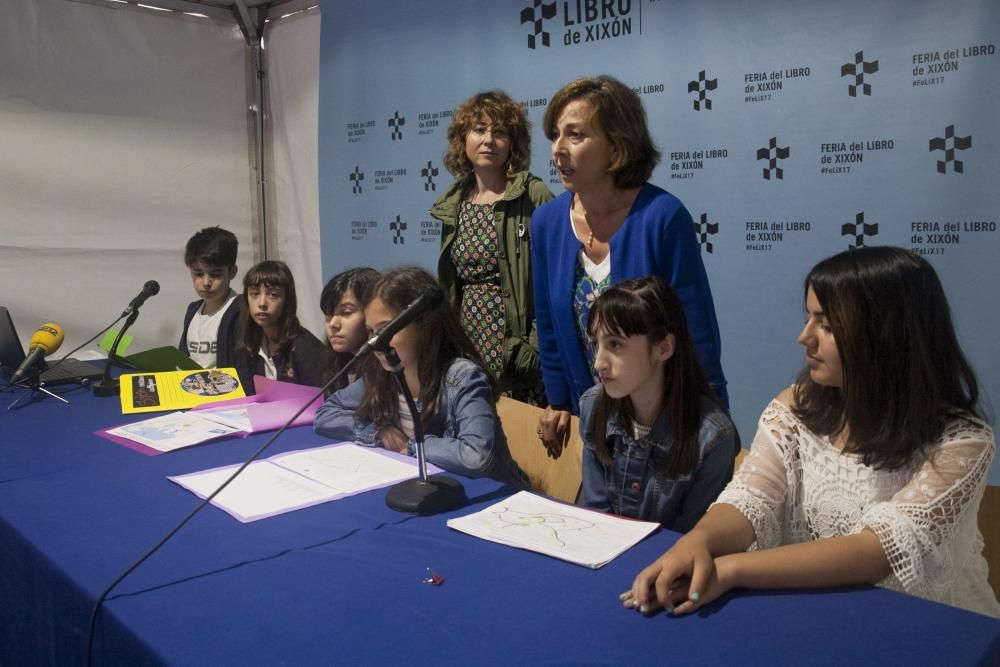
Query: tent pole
point(253, 34)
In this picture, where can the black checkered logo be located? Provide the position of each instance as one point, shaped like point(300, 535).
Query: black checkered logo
point(429, 173)
point(858, 69)
point(356, 177)
point(396, 123)
point(858, 230)
point(536, 14)
point(704, 230)
point(772, 153)
point(397, 227)
point(701, 86)
point(950, 143)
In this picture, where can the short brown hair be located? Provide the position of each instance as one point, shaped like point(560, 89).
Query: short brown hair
point(498, 107)
point(214, 246)
point(620, 117)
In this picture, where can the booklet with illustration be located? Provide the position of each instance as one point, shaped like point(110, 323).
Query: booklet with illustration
point(177, 390)
point(176, 430)
point(271, 408)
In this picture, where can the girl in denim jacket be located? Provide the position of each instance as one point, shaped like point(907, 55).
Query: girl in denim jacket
point(454, 392)
point(657, 445)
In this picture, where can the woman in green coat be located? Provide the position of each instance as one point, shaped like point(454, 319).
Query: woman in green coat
point(485, 261)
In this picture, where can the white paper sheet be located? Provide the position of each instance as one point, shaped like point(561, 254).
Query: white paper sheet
point(348, 469)
point(235, 417)
point(172, 431)
point(299, 479)
point(574, 534)
point(260, 490)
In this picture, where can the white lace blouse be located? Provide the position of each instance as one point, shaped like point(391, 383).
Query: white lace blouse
point(795, 486)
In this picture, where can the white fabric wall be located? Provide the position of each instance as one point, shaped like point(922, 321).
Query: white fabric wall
point(291, 47)
point(122, 131)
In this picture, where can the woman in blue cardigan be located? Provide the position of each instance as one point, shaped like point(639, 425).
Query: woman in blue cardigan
point(610, 225)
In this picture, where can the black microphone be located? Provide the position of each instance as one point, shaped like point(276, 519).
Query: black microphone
point(149, 289)
point(431, 298)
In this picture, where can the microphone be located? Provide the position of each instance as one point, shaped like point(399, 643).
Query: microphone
point(149, 289)
point(107, 386)
point(431, 298)
point(46, 340)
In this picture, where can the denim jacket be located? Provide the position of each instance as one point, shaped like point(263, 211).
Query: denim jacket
point(464, 437)
point(630, 486)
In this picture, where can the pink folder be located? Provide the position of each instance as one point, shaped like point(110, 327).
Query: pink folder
point(273, 404)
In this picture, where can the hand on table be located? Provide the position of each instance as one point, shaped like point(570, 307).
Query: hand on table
point(681, 580)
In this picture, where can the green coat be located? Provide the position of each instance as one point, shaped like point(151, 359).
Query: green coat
point(512, 215)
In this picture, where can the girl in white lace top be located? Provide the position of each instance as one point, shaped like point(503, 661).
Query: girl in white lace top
point(870, 469)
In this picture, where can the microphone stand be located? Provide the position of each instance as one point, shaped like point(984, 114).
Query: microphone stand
point(108, 386)
point(423, 495)
point(35, 384)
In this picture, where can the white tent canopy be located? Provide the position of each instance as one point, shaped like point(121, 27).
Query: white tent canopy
point(125, 128)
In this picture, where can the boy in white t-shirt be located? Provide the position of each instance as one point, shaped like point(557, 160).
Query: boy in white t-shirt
point(209, 334)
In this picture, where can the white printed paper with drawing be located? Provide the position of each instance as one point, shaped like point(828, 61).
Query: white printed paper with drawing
point(578, 535)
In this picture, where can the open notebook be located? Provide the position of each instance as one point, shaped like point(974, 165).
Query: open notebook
point(62, 372)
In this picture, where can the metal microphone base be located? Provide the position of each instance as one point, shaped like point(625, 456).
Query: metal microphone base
point(438, 494)
point(106, 388)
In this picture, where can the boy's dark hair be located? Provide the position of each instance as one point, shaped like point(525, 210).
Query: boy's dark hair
point(214, 246)
point(905, 375)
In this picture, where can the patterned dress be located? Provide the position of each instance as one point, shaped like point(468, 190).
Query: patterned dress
point(475, 255)
point(585, 293)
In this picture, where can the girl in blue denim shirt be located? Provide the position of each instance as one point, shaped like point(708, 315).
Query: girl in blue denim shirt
point(454, 392)
point(657, 445)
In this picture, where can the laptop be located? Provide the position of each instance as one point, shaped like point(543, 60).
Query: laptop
point(12, 354)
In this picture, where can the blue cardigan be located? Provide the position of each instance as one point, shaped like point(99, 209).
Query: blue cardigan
point(657, 238)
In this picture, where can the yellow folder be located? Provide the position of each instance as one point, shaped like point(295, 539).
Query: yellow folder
point(177, 390)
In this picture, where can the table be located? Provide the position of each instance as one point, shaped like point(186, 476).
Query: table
point(341, 583)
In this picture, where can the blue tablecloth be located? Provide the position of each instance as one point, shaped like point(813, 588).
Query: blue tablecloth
point(342, 582)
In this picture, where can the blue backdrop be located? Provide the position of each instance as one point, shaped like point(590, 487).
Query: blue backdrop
point(791, 130)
